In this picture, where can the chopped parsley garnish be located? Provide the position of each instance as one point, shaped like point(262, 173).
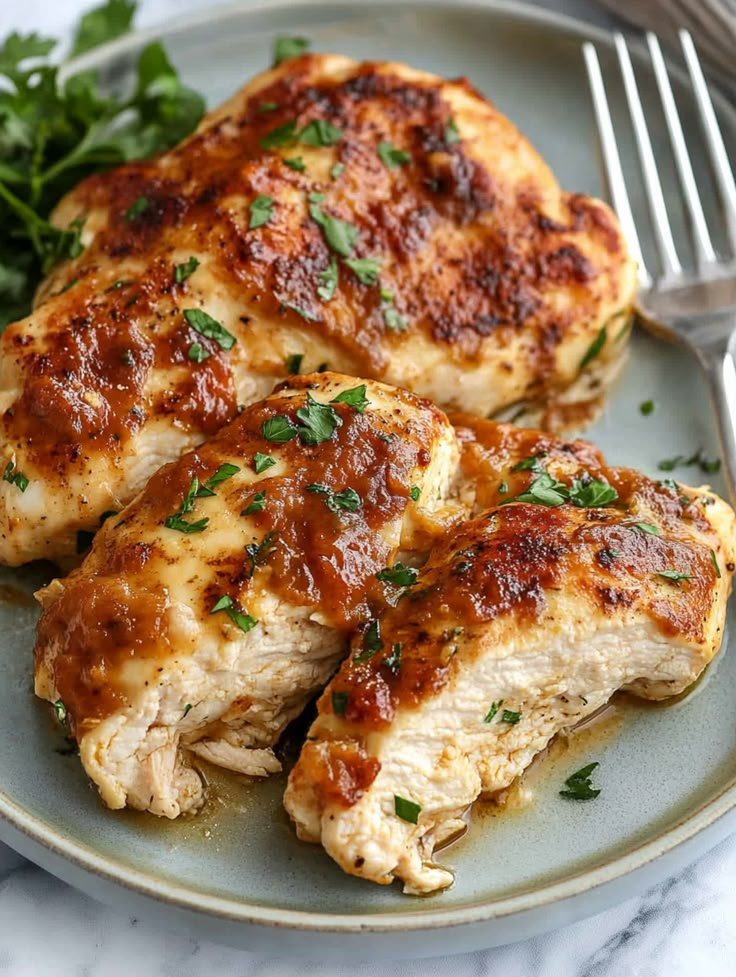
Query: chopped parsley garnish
point(386, 295)
point(595, 347)
point(177, 521)
point(354, 397)
point(714, 558)
point(336, 170)
point(406, 810)
point(578, 786)
point(414, 493)
point(268, 106)
point(372, 642)
point(647, 528)
point(244, 621)
point(296, 163)
point(294, 363)
point(503, 488)
point(304, 313)
point(392, 661)
point(280, 136)
point(681, 461)
point(261, 211)
point(136, 209)
point(328, 277)
point(346, 501)
point(318, 421)
point(510, 717)
point(319, 132)
point(394, 320)
point(187, 709)
point(257, 504)
point(544, 490)
point(533, 464)
point(258, 553)
point(197, 353)
point(495, 706)
point(223, 473)
point(184, 270)
point(339, 234)
point(262, 462)
point(339, 702)
point(646, 407)
point(674, 575)
point(315, 198)
point(365, 269)
point(288, 47)
point(206, 326)
point(12, 475)
point(60, 710)
point(278, 429)
point(390, 156)
point(452, 135)
point(398, 575)
point(592, 493)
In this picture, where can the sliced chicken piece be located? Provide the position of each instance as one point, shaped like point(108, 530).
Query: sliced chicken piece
point(216, 604)
point(372, 217)
point(524, 620)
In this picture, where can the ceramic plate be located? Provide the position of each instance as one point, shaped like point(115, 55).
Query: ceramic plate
point(668, 775)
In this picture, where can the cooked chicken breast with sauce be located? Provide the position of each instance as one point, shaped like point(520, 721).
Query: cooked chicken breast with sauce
point(524, 620)
point(213, 607)
point(371, 217)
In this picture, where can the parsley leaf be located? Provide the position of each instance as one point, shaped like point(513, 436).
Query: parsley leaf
point(296, 163)
point(698, 458)
point(339, 234)
point(184, 270)
point(261, 211)
point(262, 462)
point(205, 325)
point(533, 464)
point(137, 208)
point(646, 407)
point(294, 364)
point(12, 475)
point(495, 706)
point(103, 24)
point(393, 320)
point(366, 269)
point(512, 718)
point(406, 810)
point(198, 353)
point(592, 493)
point(279, 429)
point(595, 347)
point(328, 277)
point(336, 170)
point(647, 528)
point(354, 397)
point(452, 135)
point(544, 490)
point(372, 642)
point(319, 132)
point(578, 786)
point(390, 156)
point(177, 522)
point(280, 136)
point(398, 575)
point(257, 503)
point(414, 493)
point(392, 661)
point(244, 621)
point(339, 702)
point(348, 500)
point(223, 473)
point(288, 47)
point(258, 553)
point(319, 421)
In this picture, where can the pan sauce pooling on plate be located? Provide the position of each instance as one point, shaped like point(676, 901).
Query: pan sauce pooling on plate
point(371, 217)
point(499, 585)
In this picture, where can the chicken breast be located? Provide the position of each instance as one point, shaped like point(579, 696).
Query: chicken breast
point(370, 217)
point(524, 620)
point(213, 607)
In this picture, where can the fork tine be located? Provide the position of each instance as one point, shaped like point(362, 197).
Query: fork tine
point(662, 231)
point(704, 251)
point(719, 156)
point(612, 160)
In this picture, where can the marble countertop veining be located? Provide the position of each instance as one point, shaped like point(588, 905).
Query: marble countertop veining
point(686, 925)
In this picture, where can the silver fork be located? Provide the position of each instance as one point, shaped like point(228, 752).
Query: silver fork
point(695, 307)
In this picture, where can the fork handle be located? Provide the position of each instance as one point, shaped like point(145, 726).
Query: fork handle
point(718, 361)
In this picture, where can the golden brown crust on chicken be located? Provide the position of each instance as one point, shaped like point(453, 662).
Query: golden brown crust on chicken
point(493, 284)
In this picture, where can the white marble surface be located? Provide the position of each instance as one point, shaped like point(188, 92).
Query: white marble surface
point(685, 926)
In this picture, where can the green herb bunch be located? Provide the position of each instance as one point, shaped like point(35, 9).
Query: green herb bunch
point(57, 127)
